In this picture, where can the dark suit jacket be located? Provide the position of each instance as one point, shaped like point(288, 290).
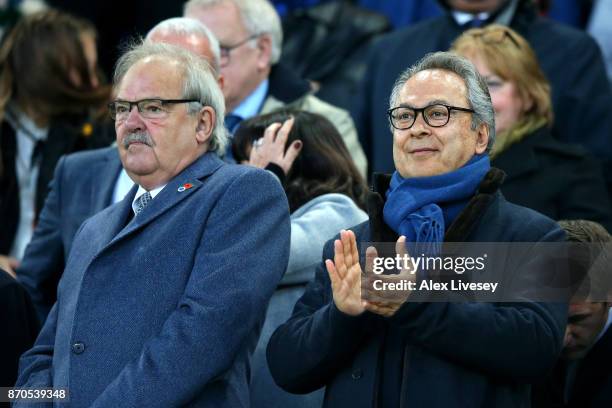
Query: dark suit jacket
point(19, 326)
point(570, 59)
point(592, 387)
point(65, 136)
point(164, 311)
point(83, 185)
point(454, 354)
point(559, 180)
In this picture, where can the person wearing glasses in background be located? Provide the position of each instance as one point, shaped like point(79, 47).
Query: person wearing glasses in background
point(256, 82)
point(560, 180)
point(570, 58)
point(97, 176)
point(163, 293)
point(392, 352)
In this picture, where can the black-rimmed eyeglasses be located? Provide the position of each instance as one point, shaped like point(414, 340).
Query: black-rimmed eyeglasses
point(148, 108)
point(436, 115)
point(227, 49)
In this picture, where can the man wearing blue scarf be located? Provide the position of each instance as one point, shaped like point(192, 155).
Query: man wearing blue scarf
point(400, 353)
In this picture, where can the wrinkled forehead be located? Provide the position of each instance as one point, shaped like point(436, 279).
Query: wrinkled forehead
point(434, 85)
point(153, 76)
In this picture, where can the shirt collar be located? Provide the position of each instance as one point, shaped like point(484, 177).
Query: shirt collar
point(141, 191)
point(503, 16)
point(250, 106)
point(461, 17)
point(22, 122)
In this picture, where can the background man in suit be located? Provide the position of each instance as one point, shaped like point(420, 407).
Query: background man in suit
point(570, 59)
point(582, 376)
point(97, 178)
point(251, 38)
point(162, 293)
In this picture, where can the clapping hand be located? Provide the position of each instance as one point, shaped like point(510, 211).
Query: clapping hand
point(345, 275)
point(387, 302)
point(346, 278)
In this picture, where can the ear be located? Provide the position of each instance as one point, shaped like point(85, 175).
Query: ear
point(205, 124)
point(221, 81)
point(482, 138)
point(264, 46)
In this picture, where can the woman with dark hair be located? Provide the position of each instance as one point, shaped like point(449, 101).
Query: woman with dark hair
point(49, 92)
point(326, 193)
point(558, 179)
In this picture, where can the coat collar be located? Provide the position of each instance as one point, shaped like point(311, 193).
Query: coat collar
point(114, 227)
point(525, 150)
point(461, 227)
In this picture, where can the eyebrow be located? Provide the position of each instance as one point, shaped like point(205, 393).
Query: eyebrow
point(434, 102)
point(143, 99)
point(578, 317)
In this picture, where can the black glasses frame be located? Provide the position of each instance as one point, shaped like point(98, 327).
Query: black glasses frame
point(113, 110)
point(422, 110)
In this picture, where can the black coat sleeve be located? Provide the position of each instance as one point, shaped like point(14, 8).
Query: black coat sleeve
point(307, 351)
point(19, 324)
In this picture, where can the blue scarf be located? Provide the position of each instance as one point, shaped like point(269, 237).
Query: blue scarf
point(420, 208)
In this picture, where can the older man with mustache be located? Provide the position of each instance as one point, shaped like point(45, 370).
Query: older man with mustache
point(97, 178)
point(163, 292)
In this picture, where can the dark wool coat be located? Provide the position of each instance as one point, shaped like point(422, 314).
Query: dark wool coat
point(455, 355)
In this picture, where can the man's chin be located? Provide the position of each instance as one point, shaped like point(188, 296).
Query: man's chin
point(138, 165)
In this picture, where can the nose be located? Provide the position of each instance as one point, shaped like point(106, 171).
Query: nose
point(420, 128)
point(134, 120)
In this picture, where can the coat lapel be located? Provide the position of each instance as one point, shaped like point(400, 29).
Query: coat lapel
point(111, 221)
point(177, 190)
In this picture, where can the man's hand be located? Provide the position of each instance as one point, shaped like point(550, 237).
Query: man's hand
point(271, 147)
point(345, 275)
point(387, 302)
point(9, 264)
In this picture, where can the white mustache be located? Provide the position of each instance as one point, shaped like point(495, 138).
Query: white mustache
point(140, 137)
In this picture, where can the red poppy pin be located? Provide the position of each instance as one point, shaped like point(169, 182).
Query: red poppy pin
point(184, 187)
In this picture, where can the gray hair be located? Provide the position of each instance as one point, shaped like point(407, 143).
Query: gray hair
point(199, 82)
point(258, 17)
point(183, 26)
point(477, 90)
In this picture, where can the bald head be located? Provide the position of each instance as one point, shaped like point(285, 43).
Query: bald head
point(188, 34)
